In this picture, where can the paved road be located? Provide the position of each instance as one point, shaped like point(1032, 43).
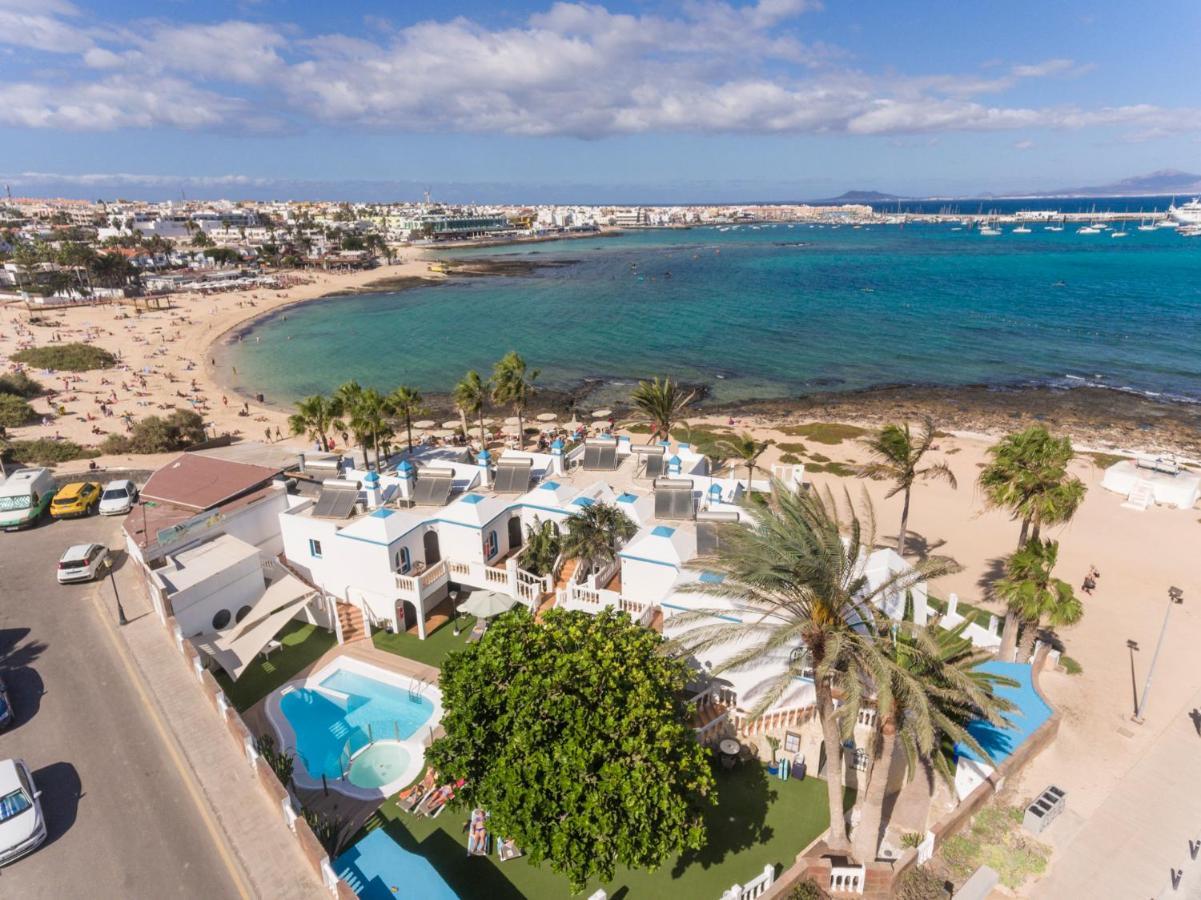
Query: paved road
point(122, 821)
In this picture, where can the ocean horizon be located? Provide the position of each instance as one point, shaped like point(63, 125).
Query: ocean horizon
point(767, 313)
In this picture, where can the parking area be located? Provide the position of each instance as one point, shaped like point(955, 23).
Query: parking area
point(121, 819)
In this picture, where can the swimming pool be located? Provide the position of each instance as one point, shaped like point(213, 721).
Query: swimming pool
point(361, 727)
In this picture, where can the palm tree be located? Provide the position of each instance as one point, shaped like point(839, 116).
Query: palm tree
point(937, 690)
point(595, 533)
point(747, 449)
point(897, 458)
point(513, 383)
point(315, 416)
point(1029, 476)
point(407, 403)
point(1034, 596)
point(662, 402)
point(797, 579)
point(348, 397)
point(470, 395)
point(541, 548)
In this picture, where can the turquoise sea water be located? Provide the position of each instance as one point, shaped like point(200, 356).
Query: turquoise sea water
point(772, 312)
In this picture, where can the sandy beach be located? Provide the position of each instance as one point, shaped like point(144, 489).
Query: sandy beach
point(165, 358)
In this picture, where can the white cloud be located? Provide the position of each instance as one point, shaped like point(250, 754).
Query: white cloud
point(1023, 145)
point(574, 69)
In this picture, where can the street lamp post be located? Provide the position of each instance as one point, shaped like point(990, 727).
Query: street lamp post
point(121, 619)
point(1175, 598)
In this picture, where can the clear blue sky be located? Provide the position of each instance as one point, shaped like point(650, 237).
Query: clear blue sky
point(653, 101)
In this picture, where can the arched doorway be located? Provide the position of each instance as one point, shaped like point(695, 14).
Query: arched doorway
point(433, 552)
point(514, 533)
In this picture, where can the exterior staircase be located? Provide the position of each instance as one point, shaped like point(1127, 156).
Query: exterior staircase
point(566, 573)
point(350, 618)
point(1140, 497)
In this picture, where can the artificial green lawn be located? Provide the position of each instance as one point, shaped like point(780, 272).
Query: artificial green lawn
point(757, 820)
point(434, 649)
point(302, 645)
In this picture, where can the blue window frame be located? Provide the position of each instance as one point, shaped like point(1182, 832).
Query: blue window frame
point(403, 562)
point(492, 545)
point(314, 549)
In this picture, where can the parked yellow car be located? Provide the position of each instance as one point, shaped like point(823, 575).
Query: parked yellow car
point(76, 499)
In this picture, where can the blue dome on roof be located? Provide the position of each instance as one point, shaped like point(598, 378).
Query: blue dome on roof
point(405, 467)
point(371, 478)
point(484, 456)
point(674, 461)
point(557, 444)
point(715, 489)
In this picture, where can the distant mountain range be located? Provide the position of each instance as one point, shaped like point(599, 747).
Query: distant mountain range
point(1156, 184)
point(1165, 181)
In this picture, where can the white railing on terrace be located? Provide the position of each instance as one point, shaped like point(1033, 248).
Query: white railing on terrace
point(847, 879)
point(641, 612)
point(781, 718)
point(756, 887)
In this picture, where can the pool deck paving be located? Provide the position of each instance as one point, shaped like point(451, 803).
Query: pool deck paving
point(268, 854)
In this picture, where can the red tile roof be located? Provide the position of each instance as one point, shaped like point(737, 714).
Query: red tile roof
point(202, 482)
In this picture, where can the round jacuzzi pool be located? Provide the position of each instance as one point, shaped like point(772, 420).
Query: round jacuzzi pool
point(378, 765)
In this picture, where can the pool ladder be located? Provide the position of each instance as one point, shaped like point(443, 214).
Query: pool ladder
point(417, 688)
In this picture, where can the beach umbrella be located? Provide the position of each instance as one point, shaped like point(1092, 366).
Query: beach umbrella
point(546, 417)
point(453, 424)
point(488, 422)
point(486, 604)
point(512, 420)
point(602, 414)
point(424, 423)
point(444, 434)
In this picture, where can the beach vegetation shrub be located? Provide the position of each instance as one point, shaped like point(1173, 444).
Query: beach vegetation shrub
point(806, 889)
point(155, 434)
point(995, 839)
point(66, 357)
point(14, 411)
point(1071, 666)
point(18, 384)
point(581, 748)
point(825, 432)
point(837, 469)
point(792, 447)
point(920, 883)
point(790, 459)
point(1105, 460)
point(45, 451)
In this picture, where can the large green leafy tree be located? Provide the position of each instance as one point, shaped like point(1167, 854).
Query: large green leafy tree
point(897, 456)
point(573, 737)
point(662, 402)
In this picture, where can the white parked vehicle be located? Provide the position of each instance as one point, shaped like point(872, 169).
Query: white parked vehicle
point(83, 562)
point(22, 828)
point(118, 498)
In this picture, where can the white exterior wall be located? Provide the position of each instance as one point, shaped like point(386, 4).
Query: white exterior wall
point(231, 588)
point(646, 582)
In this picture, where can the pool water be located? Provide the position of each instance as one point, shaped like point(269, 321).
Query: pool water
point(378, 765)
point(346, 712)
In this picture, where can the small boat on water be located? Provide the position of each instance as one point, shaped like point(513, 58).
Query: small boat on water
point(1088, 229)
point(1052, 228)
point(1121, 232)
point(1021, 229)
point(989, 231)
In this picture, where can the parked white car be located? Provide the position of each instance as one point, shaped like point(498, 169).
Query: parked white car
point(118, 498)
point(83, 562)
point(22, 828)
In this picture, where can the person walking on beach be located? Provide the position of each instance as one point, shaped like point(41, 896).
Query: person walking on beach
point(268, 431)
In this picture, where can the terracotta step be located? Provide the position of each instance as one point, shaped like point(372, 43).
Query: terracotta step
point(350, 618)
point(566, 572)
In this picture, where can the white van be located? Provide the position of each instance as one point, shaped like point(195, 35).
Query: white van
point(24, 497)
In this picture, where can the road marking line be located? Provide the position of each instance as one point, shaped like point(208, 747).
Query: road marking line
point(168, 739)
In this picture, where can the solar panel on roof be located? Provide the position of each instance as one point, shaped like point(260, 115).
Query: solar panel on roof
point(337, 500)
point(433, 488)
point(591, 456)
point(654, 466)
point(513, 477)
point(608, 457)
point(673, 499)
point(707, 540)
